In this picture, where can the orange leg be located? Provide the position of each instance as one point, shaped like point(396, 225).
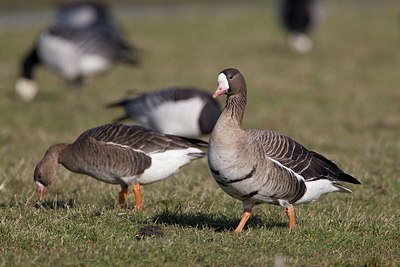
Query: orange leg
point(245, 217)
point(290, 214)
point(138, 196)
point(122, 196)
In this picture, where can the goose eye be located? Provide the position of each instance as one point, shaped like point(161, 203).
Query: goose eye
point(230, 77)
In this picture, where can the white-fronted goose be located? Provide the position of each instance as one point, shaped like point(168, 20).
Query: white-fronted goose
point(298, 18)
point(182, 111)
point(259, 166)
point(84, 41)
point(119, 154)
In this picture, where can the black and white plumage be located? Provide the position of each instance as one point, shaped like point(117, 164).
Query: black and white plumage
point(83, 13)
point(181, 111)
point(84, 41)
point(298, 17)
point(259, 166)
point(119, 154)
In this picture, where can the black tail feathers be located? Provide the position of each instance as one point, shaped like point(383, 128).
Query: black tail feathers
point(344, 177)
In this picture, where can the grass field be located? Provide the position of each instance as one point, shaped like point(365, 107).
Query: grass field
point(342, 100)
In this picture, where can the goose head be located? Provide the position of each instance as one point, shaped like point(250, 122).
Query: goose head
point(230, 82)
point(46, 170)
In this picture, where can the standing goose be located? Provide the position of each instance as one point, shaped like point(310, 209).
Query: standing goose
point(181, 111)
point(119, 154)
point(84, 41)
point(258, 166)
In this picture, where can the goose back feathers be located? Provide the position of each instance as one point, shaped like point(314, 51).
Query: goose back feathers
point(181, 111)
point(259, 166)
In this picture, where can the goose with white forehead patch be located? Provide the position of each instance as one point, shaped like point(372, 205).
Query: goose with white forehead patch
point(260, 166)
point(119, 154)
point(84, 41)
point(181, 111)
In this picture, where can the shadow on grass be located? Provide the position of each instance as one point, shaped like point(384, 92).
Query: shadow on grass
point(214, 221)
point(5, 206)
point(49, 204)
point(56, 204)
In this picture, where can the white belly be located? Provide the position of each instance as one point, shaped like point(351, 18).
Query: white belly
point(164, 164)
point(230, 166)
point(66, 58)
point(315, 189)
point(91, 64)
point(59, 54)
point(179, 118)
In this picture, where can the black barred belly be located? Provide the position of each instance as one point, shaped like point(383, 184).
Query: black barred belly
point(238, 188)
point(258, 189)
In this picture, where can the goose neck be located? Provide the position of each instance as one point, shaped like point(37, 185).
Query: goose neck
point(235, 106)
point(29, 63)
point(63, 153)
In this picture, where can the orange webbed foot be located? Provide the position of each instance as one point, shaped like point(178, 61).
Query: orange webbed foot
point(122, 198)
point(290, 214)
point(242, 223)
point(138, 196)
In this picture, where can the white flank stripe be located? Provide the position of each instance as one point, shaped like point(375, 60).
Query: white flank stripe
point(127, 147)
point(298, 176)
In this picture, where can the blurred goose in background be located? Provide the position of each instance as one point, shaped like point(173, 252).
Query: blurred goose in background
point(259, 166)
point(119, 154)
point(83, 14)
point(84, 41)
point(182, 111)
point(298, 17)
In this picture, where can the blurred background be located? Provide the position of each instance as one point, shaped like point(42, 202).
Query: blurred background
point(339, 95)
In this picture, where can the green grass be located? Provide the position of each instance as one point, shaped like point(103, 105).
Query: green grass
point(341, 100)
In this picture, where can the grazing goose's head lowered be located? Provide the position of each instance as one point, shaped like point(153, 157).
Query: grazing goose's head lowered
point(46, 170)
point(230, 82)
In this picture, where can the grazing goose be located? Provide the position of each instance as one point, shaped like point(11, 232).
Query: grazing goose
point(298, 17)
point(83, 42)
point(119, 154)
point(181, 111)
point(258, 166)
